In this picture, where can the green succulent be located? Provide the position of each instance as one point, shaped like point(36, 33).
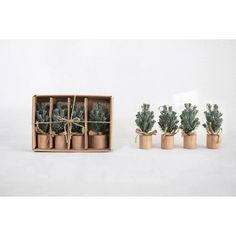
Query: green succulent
point(42, 115)
point(60, 111)
point(145, 119)
point(214, 119)
point(79, 113)
point(168, 121)
point(189, 119)
point(99, 113)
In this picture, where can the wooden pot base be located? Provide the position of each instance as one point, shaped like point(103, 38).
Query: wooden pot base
point(213, 141)
point(43, 141)
point(145, 141)
point(190, 141)
point(77, 142)
point(167, 141)
point(60, 142)
point(99, 141)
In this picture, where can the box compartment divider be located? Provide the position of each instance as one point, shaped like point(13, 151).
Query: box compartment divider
point(34, 140)
point(50, 125)
point(68, 117)
point(85, 123)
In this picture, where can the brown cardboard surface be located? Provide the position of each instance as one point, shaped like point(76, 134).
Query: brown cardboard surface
point(88, 101)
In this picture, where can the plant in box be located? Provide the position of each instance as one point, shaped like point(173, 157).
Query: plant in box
point(189, 123)
point(59, 113)
point(145, 121)
point(77, 129)
point(168, 123)
point(42, 128)
point(213, 126)
point(99, 119)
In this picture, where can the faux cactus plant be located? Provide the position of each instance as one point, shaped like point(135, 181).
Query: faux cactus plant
point(42, 115)
point(189, 119)
point(145, 119)
point(213, 119)
point(168, 121)
point(99, 114)
point(60, 111)
point(79, 113)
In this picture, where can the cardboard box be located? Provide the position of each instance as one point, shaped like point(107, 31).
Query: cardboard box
point(88, 102)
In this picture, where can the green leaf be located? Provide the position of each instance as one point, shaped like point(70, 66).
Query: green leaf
point(145, 118)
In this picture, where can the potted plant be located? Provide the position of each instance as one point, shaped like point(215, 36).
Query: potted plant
point(189, 123)
point(42, 115)
point(77, 130)
point(168, 123)
point(58, 126)
point(99, 119)
point(213, 126)
point(145, 122)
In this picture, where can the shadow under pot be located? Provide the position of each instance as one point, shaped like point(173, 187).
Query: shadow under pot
point(213, 141)
point(60, 142)
point(167, 141)
point(145, 141)
point(43, 141)
point(78, 141)
point(190, 141)
point(99, 141)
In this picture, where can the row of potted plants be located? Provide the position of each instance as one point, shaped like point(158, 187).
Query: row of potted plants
point(98, 125)
point(169, 125)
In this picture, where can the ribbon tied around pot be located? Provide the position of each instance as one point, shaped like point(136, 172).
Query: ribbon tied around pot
point(210, 131)
point(140, 132)
point(68, 126)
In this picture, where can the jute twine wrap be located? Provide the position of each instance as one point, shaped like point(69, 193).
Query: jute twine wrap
point(140, 132)
point(187, 134)
point(211, 132)
point(160, 108)
point(68, 125)
point(170, 134)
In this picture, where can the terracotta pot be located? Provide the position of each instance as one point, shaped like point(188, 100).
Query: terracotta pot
point(60, 142)
point(43, 141)
point(190, 141)
point(167, 141)
point(99, 141)
point(145, 141)
point(213, 141)
point(78, 142)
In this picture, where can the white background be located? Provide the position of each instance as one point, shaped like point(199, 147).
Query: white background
point(121, 19)
point(133, 71)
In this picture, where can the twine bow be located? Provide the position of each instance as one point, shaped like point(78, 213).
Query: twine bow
point(174, 132)
point(91, 132)
point(68, 126)
point(38, 130)
point(211, 132)
point(140, 132)
point(187, 134)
